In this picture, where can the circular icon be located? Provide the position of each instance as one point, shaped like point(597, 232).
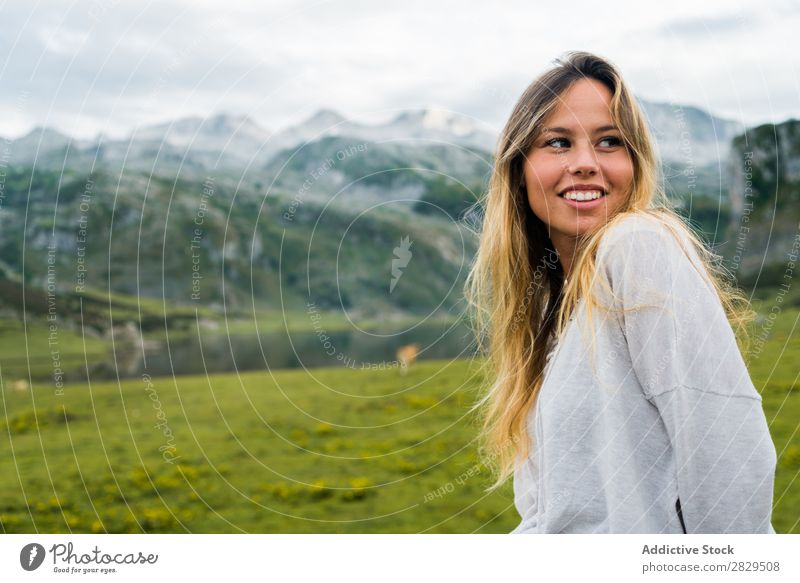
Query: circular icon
point(31, 556)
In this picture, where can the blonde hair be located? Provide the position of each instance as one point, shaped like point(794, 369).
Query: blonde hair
point(516, 292)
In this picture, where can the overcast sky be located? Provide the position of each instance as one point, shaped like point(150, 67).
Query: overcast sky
point(85, 67)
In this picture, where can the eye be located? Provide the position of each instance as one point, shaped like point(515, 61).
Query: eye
point(553, 142)
point(614, 141)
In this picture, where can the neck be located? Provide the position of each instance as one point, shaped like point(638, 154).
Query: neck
point(566, 248)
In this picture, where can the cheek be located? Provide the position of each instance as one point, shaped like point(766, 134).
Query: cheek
point(542, 175)
point(621, 170)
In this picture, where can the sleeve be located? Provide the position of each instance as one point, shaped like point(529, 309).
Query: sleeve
point(526, 501)
point(686, 359)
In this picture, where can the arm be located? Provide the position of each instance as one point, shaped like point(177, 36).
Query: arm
point(685, 357)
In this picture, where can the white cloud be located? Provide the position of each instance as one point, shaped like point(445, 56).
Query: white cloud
point(62, 41)
point(129, 63)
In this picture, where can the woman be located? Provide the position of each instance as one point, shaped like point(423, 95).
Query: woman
point(620, 402)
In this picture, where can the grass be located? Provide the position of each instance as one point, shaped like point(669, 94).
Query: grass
point(34, 352)
point(325, 451)
point(773, 365)
point(330, 451)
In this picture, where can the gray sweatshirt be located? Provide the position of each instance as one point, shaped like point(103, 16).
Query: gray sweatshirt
point(664, 431)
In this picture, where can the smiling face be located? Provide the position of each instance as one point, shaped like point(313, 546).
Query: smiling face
point(579, 150)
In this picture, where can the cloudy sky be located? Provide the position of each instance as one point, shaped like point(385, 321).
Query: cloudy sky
point(90, 66)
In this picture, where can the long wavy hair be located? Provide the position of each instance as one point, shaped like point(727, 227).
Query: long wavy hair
point(519, 301)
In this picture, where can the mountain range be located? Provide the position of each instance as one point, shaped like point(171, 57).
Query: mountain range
point(225, 141)
point(315, 212)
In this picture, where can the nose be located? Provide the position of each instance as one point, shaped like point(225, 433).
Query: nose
point(582, 159)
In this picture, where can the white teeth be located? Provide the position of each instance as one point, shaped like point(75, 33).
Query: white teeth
point(581, 196)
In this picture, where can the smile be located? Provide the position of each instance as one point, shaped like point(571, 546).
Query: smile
point(583, 195)
point(583, 199)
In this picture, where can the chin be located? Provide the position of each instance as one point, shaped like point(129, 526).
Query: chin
point(585, 226)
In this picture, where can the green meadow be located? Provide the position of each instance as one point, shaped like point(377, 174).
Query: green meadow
point(295, 451)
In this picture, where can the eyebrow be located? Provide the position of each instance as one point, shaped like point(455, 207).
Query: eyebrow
point(568, 132)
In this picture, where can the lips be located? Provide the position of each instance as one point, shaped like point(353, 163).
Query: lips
point(581, 196)
point(585, 205)
point(584, 188)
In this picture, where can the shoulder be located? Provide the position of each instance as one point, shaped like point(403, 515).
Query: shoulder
point(640, 224)
point(650, 249)
point(641, 236)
